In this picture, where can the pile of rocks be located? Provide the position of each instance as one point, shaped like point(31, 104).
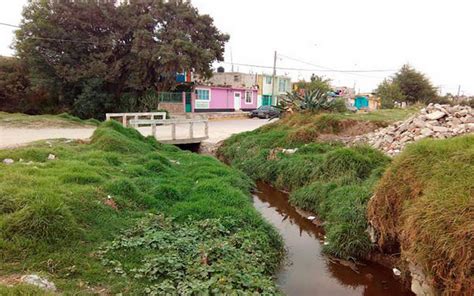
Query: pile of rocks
point(436, 121)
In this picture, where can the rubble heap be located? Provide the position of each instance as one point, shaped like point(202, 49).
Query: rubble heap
point(435, 121)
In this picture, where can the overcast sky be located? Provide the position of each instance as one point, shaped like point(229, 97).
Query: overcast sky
point(434, 36)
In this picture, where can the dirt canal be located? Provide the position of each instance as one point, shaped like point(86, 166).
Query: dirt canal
point(308, 271)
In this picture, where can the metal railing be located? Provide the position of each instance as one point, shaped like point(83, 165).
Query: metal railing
point(135, 115)
point(169, 97)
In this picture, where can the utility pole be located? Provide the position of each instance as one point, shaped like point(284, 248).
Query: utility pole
point(274, 75)
point(231, 59)
point(459, 90)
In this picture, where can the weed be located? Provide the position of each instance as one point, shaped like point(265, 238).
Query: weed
point(424, 206)
point(333, 181)
point(55, 216)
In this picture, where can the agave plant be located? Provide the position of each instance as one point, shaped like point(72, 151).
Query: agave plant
point(317, 100)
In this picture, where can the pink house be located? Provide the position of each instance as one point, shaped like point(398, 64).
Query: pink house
point(224, 99)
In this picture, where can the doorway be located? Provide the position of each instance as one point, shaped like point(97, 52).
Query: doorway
point(237, 100)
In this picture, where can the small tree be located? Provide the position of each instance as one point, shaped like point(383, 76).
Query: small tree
point(316, 82)
point(389, 92)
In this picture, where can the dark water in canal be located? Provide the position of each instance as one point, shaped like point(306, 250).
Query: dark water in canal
point(308, 271)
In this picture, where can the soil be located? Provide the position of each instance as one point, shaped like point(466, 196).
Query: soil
point(352, 128)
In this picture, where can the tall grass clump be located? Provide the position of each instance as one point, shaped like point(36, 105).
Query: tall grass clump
point(90, 216)
point(424, 207)
point(326, 178)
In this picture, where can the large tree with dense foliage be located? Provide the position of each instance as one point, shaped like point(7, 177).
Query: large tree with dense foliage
point(93, 56)
point(407, 85)
point(414, 85)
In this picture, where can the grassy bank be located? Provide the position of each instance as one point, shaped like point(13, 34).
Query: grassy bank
point(126, 214)
point(424, 205)
point(61, 120)
point(324, 177)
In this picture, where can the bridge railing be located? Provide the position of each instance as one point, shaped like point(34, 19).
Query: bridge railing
point(173, 123)
point(135, 116)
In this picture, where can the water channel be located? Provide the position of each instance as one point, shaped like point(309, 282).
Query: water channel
point(309, 272)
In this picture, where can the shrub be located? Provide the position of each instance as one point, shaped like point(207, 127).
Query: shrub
point(424, 206)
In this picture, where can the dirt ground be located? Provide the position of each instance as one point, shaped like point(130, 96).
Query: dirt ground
point(219, 130)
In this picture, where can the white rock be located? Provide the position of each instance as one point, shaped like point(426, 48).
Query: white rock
point(426, 132)
point(396, 271)
point(435, 115)
point(311, 218)
point(440, 129)
point(8, 161)
point(38, 281)
point(51, 157)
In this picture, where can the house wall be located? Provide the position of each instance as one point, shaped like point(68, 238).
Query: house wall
point(172, 108)
point(266, 88)
point(233, 79)
point(222, 99)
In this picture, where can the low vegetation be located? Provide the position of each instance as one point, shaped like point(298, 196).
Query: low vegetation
point(424, 206)
point(62, 120)
point(324, 177)
point(125, 214)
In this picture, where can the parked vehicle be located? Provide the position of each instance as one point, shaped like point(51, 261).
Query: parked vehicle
point(265, 112)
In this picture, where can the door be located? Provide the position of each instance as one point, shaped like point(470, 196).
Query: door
point(188, 102)
point(266, 100)
point(237, 100)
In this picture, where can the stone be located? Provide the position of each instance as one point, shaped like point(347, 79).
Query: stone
point(8, 161)
point(440, 129)
point(418, 123)
point(38, 281)
point(426, 132)
point(51, 157)
point(289, 151)
point(435, 115)
point(436, 120)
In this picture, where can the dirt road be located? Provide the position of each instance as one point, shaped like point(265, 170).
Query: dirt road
point(218, 131)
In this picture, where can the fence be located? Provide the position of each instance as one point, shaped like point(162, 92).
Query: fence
point(169, 97)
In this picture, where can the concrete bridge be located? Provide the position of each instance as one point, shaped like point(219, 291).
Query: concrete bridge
point(177, 131)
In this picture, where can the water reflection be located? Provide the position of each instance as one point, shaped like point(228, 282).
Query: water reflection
point(307, 271)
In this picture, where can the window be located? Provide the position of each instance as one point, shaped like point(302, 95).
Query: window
point(282, 85)
point(236, 78)
point(202, 94)
point(248, 97)
point(268, 80)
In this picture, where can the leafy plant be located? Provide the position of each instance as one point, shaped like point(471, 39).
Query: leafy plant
point(314, 101)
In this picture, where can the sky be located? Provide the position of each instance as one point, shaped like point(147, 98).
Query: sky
point(433, 36)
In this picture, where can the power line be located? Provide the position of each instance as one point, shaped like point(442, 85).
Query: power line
point(350, 72)
point(294, 69)
point(9, 25)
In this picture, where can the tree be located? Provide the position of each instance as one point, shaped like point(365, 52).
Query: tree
point(83, 50)
point(414, 85)
point(13, 83)
point(389, 92)
point(316, 83)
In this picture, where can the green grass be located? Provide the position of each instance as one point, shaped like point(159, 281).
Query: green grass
point(23, 290)
point(388, 115)
point(326, 178)
point(168, 209)
point(424, 205)
point(61, 120)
